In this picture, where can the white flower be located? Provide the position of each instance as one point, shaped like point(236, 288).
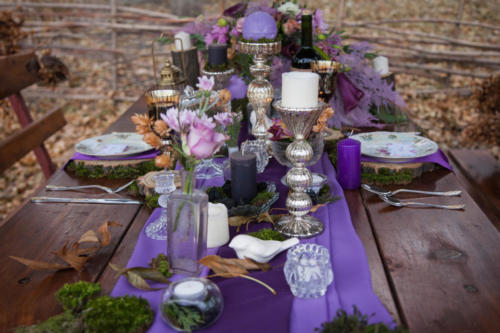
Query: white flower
point(289, 8)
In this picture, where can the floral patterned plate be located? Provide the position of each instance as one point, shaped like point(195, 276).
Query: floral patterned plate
point(114, 145)
point(395, 146)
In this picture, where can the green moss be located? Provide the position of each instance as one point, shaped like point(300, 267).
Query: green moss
point(355, 323)
point(261, 198)
point(161, 264)
point(216, 68)
point(73, 297)
point(152, 200)
point(65, 322)
point(121, 314)
point(261, 40)
point(268, 234)
point(117, 172)
point(185, 317)
point(387, 176)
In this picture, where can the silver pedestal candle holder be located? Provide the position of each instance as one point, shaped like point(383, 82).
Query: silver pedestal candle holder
point(260, 91)
point(299, 122)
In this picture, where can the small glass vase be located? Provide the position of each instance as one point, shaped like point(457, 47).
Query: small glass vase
point(187, 211)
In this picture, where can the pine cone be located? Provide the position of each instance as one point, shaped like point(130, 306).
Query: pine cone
point(152, 140)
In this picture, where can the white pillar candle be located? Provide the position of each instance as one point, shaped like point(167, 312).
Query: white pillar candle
point(218, 225)
point(381, 65)
point(186, 41)
point(299, 89)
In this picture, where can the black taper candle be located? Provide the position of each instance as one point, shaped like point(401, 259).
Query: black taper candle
point(217, 54)
point(243, 177)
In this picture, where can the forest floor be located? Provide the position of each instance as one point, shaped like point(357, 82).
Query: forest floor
point(442, 117)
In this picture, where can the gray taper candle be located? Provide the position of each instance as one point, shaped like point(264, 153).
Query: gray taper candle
point(243, 177)
point(217, 54)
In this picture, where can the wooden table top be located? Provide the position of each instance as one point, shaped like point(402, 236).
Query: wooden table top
point(435, 270)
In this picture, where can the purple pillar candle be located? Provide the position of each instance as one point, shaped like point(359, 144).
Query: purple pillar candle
point(349, 164)
point(243, 177)
point(217, 54)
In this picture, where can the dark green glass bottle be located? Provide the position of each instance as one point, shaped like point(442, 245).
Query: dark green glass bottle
point(302, 60)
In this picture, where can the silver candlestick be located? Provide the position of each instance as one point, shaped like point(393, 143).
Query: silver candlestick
point(260, 91)
point(299, 122)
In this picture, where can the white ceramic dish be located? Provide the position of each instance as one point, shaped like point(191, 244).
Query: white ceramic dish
point(114, 145)
point(395, 146)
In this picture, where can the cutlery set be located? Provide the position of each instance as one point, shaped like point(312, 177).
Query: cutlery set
point(388, 197)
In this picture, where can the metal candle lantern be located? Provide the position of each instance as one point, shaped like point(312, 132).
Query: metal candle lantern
point(299, 122)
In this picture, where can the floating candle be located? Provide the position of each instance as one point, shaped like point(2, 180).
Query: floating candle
point(299, 90)
point(190, 289)
point(186, 41)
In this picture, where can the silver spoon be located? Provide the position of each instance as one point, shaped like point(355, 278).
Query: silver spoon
point(395, 202)
point(387, 193)
point(104, 188)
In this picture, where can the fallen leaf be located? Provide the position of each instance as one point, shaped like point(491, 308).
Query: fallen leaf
point(137, 281)
point(232, 267)
point(71, 256)
point(104, 232)
point(40, 265)
point(89, 237)
point(137, 276)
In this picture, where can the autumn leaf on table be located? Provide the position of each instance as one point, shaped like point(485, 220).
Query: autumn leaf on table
point(232, 267)
point(75, 256)
point(238, 221)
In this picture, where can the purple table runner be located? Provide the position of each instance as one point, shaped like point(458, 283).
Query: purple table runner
point(248, 307)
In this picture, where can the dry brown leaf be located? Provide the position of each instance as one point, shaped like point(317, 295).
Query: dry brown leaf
point(40, 265)
point(88, 251)
point(136, 276)
point(104, 232)
point(89, 237)
point(72, 256)
point(232, 267)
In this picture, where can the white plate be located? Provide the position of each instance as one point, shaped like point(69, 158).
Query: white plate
point(113, 145)
point(395, 146)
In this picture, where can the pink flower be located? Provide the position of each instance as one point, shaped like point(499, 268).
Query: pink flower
point(318, 21)
point(203, 141)
point(224, 118)
point(205, 83)
point(171, 118)
point(290, 27)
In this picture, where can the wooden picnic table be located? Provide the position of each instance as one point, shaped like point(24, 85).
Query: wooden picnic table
point(435, 270)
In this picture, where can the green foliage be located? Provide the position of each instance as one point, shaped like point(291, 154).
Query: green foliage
point(65, 322)
point(117, 314)
point(261, 198)
point(117, 172)
point(160, 263)
point(387, 176)
point(355, 323)
point(216, 68)
point(74, 296)
point(261, 40)
point(389, 115)
point(152, 201)
point(185, 317)
point(268, 234)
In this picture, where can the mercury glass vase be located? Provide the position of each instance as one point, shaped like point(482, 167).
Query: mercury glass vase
point(187, 212)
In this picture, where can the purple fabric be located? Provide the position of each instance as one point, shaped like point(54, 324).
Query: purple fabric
point(144, 156)
point(438, 157)
point(351, 95)
point(248, 307)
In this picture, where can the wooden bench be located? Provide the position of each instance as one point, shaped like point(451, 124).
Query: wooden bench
point(18, 72)
point(479, 172)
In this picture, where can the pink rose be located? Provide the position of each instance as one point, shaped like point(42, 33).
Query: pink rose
point(290, 27)
point(203, 141)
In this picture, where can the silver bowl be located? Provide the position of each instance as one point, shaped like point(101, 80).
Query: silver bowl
point(279, 150)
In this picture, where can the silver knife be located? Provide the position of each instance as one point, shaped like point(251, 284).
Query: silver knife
point(87, 200)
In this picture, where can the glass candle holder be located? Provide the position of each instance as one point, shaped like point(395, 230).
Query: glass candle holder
point(164, 185)
point(349, 164)
point(308, 271)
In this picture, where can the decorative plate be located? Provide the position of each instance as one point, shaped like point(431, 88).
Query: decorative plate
point(113, 145)
point(395, 146)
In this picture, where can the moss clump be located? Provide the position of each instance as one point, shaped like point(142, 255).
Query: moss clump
point(160, 263)
point(121, 314)
point(386, 176)
point(217, 68)
point(268, 234)
point(355, 323)
point(152, 200)
point(261, 40)
point(109, 172)
point(261, 198)
point(74, 296)
point(65, 322)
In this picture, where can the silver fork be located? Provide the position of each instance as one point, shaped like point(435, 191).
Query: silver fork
point(104, 188)
point(397, 203)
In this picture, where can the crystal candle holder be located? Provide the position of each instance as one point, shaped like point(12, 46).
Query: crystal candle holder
point(308, 271)
point(299, 122)
point(221, 78)
point(164, 185)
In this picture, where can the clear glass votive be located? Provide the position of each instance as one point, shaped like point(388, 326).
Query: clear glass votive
point(308, 271)
point(164, 185)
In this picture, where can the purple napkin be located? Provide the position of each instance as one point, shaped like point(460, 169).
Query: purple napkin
point(143, 156)
point(438, 157)
point(351, 95)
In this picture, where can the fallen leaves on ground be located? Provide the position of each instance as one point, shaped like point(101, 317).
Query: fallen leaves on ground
point(72, 254)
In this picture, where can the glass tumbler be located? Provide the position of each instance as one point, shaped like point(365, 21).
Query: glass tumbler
point(308, 271)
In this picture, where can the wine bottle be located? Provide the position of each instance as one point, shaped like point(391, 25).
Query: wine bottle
point(301, 61)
